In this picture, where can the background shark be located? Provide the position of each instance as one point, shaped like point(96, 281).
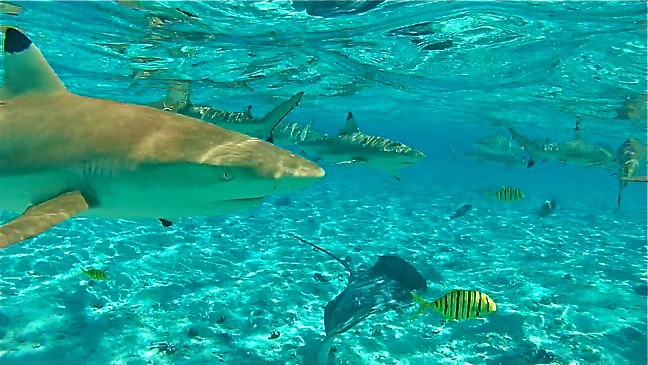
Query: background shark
point(386, 285)
point(574, 152)
point(289, 134)
point(178, 101)
point(63, 154)
point(496, 149)
point(351, 146)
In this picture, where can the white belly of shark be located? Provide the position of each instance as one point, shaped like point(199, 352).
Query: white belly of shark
point(150, 192)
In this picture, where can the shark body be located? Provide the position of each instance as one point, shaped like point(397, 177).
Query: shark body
point(290, 134)
point(498, 149)
point(178, 101)
point(574, 152)
point(350, 146)
point(63, 154)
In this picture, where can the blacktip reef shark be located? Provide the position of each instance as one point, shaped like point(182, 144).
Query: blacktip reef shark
point(289, 134)
point(629, 156)
point(386, 285)
point(350, 146)
point(574, 152)
point(178, 101)
point(63, 155)
point(497, 149)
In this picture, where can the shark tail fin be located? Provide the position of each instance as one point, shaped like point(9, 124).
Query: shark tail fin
point(26, 70)
point(350, 126)
point(532, 149)
point(271, 120)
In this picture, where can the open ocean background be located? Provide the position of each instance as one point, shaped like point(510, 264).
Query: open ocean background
point(570, 288)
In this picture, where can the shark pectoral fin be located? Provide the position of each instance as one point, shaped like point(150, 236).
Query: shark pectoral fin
point(531, 148)
point(350, 126)
point(26, 70)
point(39, 218)
point(396, 174)
point(276, 115)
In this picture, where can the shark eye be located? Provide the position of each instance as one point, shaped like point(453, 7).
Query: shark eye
point(227, 175)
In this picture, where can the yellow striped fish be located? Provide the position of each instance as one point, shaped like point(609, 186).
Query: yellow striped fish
point(95, 274)
point(458, 304)
point(508, 193)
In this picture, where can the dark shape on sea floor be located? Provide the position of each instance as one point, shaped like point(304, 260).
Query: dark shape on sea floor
point(385, 286)
point(547, 208)
point(461, 211)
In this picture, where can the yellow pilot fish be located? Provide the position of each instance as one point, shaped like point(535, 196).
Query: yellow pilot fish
point(95, 274)
point(508, 193)
point(458, 305)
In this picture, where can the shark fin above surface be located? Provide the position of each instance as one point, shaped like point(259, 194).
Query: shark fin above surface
point(271, 120)
point(39, 218)
point(350, 126)
point(26, 70)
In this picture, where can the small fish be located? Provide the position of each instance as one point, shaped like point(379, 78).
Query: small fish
point(461, 211)
point(508, 193)
point(458, 305)
point(547, 208)
point(95, 274)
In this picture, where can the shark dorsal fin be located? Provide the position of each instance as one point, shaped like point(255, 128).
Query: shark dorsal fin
point(350, 127)
point(26, 70)
point(248, 111)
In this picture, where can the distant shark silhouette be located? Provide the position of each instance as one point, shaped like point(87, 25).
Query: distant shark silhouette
point(178, 101)
point(629, 156)
point(63, 155)
point(574, 152)
point(498, 149)
point(385, 286)
point(350, 146)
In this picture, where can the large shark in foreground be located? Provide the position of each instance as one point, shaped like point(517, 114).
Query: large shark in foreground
point(178, 101)
point(574, 152)
point(350, 146)
point(63, 155)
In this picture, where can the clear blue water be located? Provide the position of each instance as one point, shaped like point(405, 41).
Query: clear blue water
point(570, 288)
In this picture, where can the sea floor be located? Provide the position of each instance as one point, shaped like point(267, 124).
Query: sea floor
point(570, 288)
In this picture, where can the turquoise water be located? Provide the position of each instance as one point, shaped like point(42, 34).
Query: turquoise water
point(570, 288)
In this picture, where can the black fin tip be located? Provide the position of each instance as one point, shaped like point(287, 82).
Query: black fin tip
point(15, 41)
